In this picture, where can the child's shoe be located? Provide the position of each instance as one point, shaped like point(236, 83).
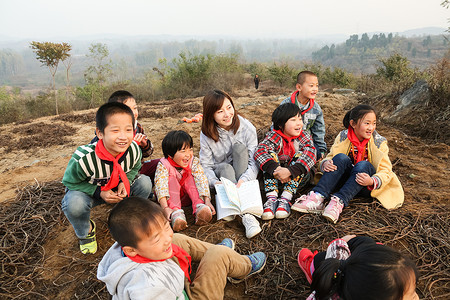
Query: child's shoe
point(203, 214)
point(305, 259)
point(251, 225)
point(88, 245)
point(311, 203)
point(178, 220)
point(227, 242)
point(269, 208)
point(333, 209)
point(258, 261)
point(284, 208)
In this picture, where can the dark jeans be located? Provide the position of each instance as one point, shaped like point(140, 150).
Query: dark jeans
point(344, 179)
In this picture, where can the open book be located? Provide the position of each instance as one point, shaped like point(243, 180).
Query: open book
point(231, 200)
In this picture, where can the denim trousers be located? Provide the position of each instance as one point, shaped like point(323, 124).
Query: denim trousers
point(343, 180)
point(239, 165)
point(77, 205)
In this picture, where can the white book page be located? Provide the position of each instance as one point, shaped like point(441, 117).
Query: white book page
point(231, 190)
point(224, 207)
point(250, 195)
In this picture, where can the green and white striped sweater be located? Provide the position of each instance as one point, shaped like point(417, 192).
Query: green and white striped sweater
point(87, 173)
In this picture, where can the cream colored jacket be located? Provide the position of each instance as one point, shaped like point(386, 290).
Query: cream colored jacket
point(390, 193)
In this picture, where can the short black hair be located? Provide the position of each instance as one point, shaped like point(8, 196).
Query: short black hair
point(109, 109)
point(301, 77)
point(283, 113)
point(175, 140)
point(120, 96)
point(134, 217)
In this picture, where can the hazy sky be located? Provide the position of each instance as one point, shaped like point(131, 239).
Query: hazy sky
point(37, 19)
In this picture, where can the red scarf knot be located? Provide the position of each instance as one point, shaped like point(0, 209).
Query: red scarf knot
point(184, 259)
point(186, 171)
point(360, 145)
point(288, 143)
point(117, 172)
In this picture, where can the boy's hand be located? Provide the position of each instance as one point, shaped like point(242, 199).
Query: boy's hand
point(364, 179)
point(282, 174)
point(329, 166)
point(110, 197)
point(140, 139)
point(209, 204)
point(121, 190)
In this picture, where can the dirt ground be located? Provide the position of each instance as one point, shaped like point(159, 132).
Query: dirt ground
point(34, 156)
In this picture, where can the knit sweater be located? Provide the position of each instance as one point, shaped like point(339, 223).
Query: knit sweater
point(389, 191)
point(87, 173)
point(213, 153)
point(273, 143)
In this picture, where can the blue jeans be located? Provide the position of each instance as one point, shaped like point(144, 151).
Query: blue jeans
point(344, 179)
point(77, 205)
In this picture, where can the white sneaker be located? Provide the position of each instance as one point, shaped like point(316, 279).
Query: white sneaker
point(251, 225)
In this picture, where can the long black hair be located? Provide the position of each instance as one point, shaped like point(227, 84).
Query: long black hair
point(373, 271)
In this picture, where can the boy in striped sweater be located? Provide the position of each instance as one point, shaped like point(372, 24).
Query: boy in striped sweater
point(103, 172)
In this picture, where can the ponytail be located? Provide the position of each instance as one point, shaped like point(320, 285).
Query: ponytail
point(327, 278)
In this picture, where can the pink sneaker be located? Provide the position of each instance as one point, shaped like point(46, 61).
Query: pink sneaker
point(333, 209)
point(311, 203)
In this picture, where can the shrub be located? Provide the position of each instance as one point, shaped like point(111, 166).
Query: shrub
point(282, 74)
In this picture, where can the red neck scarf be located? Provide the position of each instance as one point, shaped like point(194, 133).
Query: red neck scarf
point(117, 172)
point(295, 101)
point(184, 259)
point(185, 174)
point(360, 145)
point(288, 143)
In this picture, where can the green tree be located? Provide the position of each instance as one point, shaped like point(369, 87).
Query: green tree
point(50, 55)
point(101, 69)
point(282, 74)
point(96, 75)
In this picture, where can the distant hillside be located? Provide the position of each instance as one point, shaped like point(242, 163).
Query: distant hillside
point(360, 54)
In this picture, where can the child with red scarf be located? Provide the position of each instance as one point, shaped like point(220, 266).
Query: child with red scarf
point(102, 172)
point(149, 261)
point(180, 181)
point(304, 97)
point(286, 155)
point(357, 165)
